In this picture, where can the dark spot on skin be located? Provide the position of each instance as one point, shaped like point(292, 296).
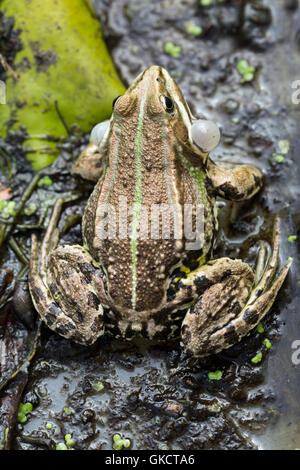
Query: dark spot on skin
point(87, 270)
point(236, 308)
point(211, 191)
point(171, 293)
point(52, 314)
point(202, 283)
point(196, 307)
point(38, 294)
point(186, 335)
point(226, 275)
point(193, 263)
point(80, 317)
point(129, 333)
point(53, 289)
point(144, 331)
point(64, 329)
point(93, 300)
point(230, 192)
point(66, 272)
point(251, 316)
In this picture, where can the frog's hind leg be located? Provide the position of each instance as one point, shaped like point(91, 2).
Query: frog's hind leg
point(216, 321)
point(66, 287)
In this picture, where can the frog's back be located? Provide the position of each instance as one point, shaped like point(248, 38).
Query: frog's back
point(146, 195)
point(146, 185)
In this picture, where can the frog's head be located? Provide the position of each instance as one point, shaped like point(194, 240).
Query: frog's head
point(155, 97)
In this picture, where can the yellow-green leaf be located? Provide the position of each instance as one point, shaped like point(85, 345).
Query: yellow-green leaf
point(66, 62)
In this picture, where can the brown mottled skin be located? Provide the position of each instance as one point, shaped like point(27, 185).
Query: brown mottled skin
point(129, 285)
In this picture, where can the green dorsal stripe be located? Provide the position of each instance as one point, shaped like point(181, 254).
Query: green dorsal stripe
point(137, 198)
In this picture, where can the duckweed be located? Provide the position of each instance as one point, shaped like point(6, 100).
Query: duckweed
point(191, 28)
point(217, 375)
point(257, 358)
point(23, 410)
point(172, 49)
point(45, 181)
point(119, 443)
point(246, 70)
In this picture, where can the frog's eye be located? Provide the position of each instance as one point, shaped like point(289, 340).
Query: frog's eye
point(167, 103)
point(98, 132)
point(205, 134)
point(115, 100)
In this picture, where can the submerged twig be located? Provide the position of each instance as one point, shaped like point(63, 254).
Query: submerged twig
point(10, 163)
point(62, 118)
point(6, 231)
point(8, 68)
point(18, 250)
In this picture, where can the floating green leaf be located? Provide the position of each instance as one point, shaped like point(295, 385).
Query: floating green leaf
point(217, 375)
point(267, 343)
point(7, 209)
point(246, 70)
point(23, 410)
point(45, 181)
point(257, 358)
point(61, 446)
point(191, 28)
point(68, 72)
point(260, 328)
point(172, 49)
point(119, 443)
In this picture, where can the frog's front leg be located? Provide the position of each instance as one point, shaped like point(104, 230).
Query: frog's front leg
point(66, 287)
point(235, 184)
point(232, 300)
point(91, 162)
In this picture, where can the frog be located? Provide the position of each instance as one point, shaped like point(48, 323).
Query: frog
point(154, 153)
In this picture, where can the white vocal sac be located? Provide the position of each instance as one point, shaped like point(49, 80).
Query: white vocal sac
point(98, 132)
point(205, 134)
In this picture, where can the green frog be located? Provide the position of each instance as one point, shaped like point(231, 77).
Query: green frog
point(153, 155)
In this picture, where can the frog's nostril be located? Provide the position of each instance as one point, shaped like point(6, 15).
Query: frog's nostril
point(205, 134)
point(98, 132)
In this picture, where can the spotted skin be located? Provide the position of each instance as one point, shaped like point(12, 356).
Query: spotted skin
point(237, 304)
point(67, 295)
point(129, 285)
